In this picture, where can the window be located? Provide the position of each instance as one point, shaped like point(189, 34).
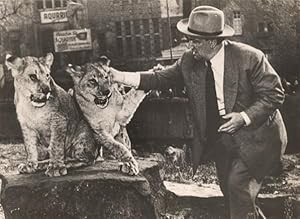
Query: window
point(261, 27)
point(137, 27)
point(120, 46)
point(138, 45)
point(49, 4)
point(128, 46)
point(146, 26)
point(127, 27)
point(136, 38)
point(147, 45)
point(236, 14)
point(237, 23)
point(42, 4)
point(157, 44)
point(57, 4)
point(155, 25)
point(118, 28)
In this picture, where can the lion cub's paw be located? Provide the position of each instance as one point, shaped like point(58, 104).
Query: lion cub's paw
point(130, 167)
point(56, 170)
point(29, 167)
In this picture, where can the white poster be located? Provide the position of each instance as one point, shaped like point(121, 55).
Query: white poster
point(72, 40)
point(56, 16)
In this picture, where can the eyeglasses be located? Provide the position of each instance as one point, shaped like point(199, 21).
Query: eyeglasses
point(196, 40)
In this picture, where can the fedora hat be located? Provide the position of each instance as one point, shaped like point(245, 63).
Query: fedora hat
point(205, 22)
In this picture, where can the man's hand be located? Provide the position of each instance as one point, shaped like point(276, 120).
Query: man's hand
point(116, 75)
point(235, 122)
point(131, 79)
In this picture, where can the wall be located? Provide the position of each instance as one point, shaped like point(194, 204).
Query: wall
point(127, 31)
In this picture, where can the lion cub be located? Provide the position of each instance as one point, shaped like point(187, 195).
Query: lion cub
point(105, 108)
point(55, 135)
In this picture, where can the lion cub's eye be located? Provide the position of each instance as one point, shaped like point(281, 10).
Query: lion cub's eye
point(93, 82)
point(33, 77)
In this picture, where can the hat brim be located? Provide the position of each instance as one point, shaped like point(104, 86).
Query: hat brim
point(182, 26)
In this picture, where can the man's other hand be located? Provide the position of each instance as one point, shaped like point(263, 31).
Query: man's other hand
point(158, 68)
point(234, 123)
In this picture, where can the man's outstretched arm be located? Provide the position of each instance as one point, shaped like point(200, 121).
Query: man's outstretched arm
point(152, 79)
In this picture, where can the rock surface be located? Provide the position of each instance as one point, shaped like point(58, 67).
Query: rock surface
point(98, 191)
point(193, 201)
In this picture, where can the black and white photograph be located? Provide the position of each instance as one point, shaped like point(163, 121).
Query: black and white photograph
point(149, 109)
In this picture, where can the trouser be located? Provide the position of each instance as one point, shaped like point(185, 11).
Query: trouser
point(239, 188)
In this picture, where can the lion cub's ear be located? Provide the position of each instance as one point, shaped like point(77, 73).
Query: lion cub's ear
point(15, 64)
point(49, 60)
point(75, 72)
point(104, 60)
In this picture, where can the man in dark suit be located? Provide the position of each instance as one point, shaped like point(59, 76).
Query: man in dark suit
point(234, 95)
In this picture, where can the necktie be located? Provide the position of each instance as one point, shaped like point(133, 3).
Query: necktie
point(212, 111)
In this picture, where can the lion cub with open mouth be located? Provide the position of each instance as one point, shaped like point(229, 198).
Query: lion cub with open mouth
point(106, 109)
point(56, 136)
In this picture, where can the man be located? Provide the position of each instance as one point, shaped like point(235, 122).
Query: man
point(234, 95)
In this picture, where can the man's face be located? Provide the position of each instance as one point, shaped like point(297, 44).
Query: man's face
point(201, 48)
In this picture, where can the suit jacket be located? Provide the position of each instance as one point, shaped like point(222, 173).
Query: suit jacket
point(250, 85)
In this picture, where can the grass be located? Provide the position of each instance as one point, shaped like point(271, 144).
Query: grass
point(12, 153)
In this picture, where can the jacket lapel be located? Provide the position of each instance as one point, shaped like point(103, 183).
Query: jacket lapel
point(231, 79)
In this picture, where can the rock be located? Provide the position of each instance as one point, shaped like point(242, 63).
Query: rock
point(206, 201)
point(98, 191)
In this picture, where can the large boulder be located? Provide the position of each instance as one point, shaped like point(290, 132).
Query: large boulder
point(98, 191)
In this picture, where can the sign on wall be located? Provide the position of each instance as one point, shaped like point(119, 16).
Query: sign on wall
point(72, 40)
point(56, 16)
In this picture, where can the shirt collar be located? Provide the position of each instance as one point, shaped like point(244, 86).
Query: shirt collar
point(217, 62)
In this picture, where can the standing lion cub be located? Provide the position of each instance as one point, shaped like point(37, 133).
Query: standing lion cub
point(105, 108)
point(55, 135)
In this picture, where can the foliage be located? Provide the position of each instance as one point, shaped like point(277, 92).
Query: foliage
point(206, 174)
point(282, 15)
point(14, 13)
